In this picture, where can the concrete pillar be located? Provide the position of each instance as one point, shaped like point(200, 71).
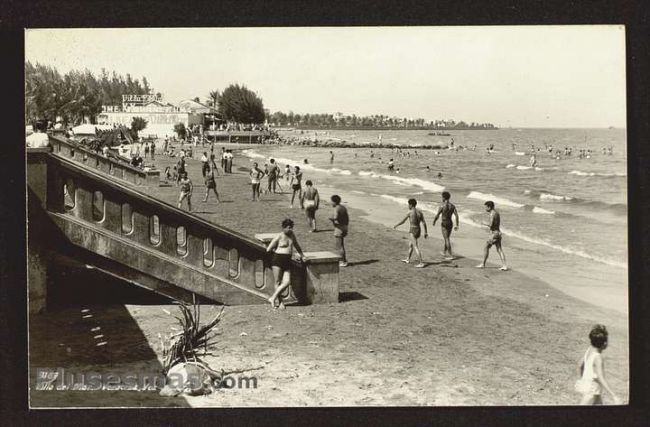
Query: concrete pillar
point(37, 206)
point(322, 277)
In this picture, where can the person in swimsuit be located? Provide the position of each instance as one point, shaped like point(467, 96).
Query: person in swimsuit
point(592, 370)
point(340, 220)
point(210, 182)
point(495, 236)
point(415, 217)
point(186, 191)
point(310, 201)
point(446, 210)
point(296, 179)
point(256, 175)
point(282, 247)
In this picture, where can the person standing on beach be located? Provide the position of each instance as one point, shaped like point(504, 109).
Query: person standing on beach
point(274, 171)
point(256, 175)
point(310, 201)
point(592, 370)
point(446, 210)
point(210, 182)
point(287, 173)
point(340, 219)
point(180, 168)
point(415, 217)
point(282, 247)
point(495, 236)
point(186, 191)
point(296, 179)
point(331, 156)
point(205, 166)
point(152, 150)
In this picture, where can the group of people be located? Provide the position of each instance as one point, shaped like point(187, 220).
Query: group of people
point(447, 212)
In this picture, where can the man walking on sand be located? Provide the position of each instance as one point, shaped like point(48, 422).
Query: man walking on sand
point(340, 220)
point(446, 210)
point(495, 236)
point(310, 201)
point(415, 217)
point(186, 191)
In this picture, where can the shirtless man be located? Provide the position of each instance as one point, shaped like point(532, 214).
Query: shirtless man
point(447, 209)
point(310, 201)
point(340, 220)
point(415, 217)
point(296, 187)
point(186, 191)
point(495, 236)
point(256, 175)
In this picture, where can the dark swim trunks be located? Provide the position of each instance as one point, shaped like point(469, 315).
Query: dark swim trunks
point(415, 231)
point(296, 187)
point(281, 260)
point(495, 238)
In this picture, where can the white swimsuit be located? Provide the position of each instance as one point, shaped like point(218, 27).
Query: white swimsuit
point(587, 384)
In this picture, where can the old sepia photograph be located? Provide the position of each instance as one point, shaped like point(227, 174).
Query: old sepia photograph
point(327, 216)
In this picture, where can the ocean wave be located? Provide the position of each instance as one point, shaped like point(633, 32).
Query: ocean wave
point(510, 166)
point(554, 197)
point(358, 192)
point(538, 210)
point(595, 205)
point(426, 185)
point(520, 153)
point(566, 250)
point(605, 175)
point(496, 199)
point(465, 218)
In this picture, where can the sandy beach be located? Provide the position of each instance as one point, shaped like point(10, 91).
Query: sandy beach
point(447, 334)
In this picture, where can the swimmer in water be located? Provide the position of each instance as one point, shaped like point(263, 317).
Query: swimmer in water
point(391, 165)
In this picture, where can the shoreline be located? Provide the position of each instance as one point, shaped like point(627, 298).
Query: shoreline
point(597, 283)
point(447, 334)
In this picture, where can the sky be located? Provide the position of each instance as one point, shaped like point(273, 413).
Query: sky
point(519, 76)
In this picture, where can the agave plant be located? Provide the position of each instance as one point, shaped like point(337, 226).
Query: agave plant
point(192, 341)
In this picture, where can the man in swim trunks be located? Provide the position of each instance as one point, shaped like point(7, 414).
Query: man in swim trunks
point(495, 236)
point(415, 217)
point(186, 191)
point(296, 179)
point(256, 175)
point(310, 201)
point(446, 210)
point(340, 219)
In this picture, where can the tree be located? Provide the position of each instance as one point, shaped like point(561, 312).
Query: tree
point(214, 96)
point(238, 103)
point(180, 130)
point(137, 125)
point(197, 99)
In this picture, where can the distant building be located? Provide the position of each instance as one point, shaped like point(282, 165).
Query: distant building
point(160, 116)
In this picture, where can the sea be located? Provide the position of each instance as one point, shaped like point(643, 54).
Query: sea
point(564, 220)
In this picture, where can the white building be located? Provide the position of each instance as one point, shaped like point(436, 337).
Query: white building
point(160, 116)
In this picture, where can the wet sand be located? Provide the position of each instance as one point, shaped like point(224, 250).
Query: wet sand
point(448, 334)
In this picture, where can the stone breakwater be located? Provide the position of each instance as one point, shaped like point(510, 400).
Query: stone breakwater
point(330, 143)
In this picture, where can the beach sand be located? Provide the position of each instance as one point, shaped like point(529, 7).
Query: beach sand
point(447, 334)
